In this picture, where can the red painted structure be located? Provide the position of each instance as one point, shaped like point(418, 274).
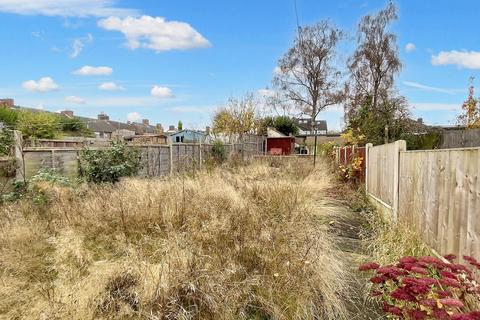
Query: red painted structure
point(280, 146)
point(346, 154)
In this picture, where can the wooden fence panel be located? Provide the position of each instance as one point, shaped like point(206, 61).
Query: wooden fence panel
point(439, 194)
point(380, 180)
point(155, 159)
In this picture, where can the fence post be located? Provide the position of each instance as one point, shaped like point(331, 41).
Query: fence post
point(367, 152)
point(18, 143)
point(170, 147)
point(400, 145)
point(200, 155)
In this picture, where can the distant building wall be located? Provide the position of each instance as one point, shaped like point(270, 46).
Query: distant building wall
point(188, 136)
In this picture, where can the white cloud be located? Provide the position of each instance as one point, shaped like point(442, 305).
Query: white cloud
point(109, 86)
point(161, 92)
point(432, 106)
point(75, 100)
point(134, 117)
point(155, 33)
point(45, 84)
point(78, 44)
point(423, 87)
point(38, 34)
point(266, 93)
point(65, 8)
point(462, 59)
point(93, 71)
point(410, 47)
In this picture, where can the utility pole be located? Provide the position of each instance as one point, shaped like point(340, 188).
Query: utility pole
point(315, 150)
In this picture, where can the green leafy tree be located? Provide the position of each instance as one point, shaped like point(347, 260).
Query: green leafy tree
point(285, 125)
point(41, 125)
point(75, 126)
point(377, 126)
point(263, 124)
point(109, 165)
point(8, 116)
point(180, 125)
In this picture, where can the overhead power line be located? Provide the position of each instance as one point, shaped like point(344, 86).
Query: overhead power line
point(296, 14)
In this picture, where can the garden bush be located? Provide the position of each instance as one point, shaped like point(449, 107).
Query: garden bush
point(427, 288)
point(219, 152)
point(38, 125)
point(8, 117)
point(6, 142)
point(109, 165)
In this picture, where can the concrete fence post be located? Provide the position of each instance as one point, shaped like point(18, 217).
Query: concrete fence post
point(368, 146)
point(170, 148)
point(400, 145)
point(19, 157)
point(200, 155)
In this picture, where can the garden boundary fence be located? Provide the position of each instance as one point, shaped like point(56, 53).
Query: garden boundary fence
point(437, 192)
point(346, 155)
point(156, 160)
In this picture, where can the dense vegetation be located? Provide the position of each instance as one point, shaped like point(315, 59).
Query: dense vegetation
point(176, 248)
point(110, 164)
point(283, 124)
point(42, 125)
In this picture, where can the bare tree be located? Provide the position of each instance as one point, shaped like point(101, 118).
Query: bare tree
point(375, 62)
point(306, 74)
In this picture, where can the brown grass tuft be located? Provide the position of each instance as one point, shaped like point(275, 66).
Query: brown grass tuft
point(241, 243)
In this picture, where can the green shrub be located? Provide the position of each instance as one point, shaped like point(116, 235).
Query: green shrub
point(75, 126)
point(219, 153)
point(39, 125)
point(426, 141)
point(8, 116)
point(6, 142)
point(109, 165)
point(285, 125)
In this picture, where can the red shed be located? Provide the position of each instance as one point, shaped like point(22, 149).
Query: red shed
point(280, 146)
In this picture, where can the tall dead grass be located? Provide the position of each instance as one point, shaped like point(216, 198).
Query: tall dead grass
point(229, 244)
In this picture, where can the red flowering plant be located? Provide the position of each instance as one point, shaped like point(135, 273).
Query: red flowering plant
point(427, 288)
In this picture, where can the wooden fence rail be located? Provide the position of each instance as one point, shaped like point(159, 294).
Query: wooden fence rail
point(156, 160)
point(437, 192)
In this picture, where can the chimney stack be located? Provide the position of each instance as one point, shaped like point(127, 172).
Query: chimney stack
point(171, 128)
point(146, 122)
point(103, 116)
point(7, 103)
point(67, 113)
point(159, 128)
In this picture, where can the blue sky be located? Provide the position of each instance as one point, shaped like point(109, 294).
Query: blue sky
point(180, 60)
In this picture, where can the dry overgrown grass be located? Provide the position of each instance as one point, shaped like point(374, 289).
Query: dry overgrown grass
point(230, 244)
